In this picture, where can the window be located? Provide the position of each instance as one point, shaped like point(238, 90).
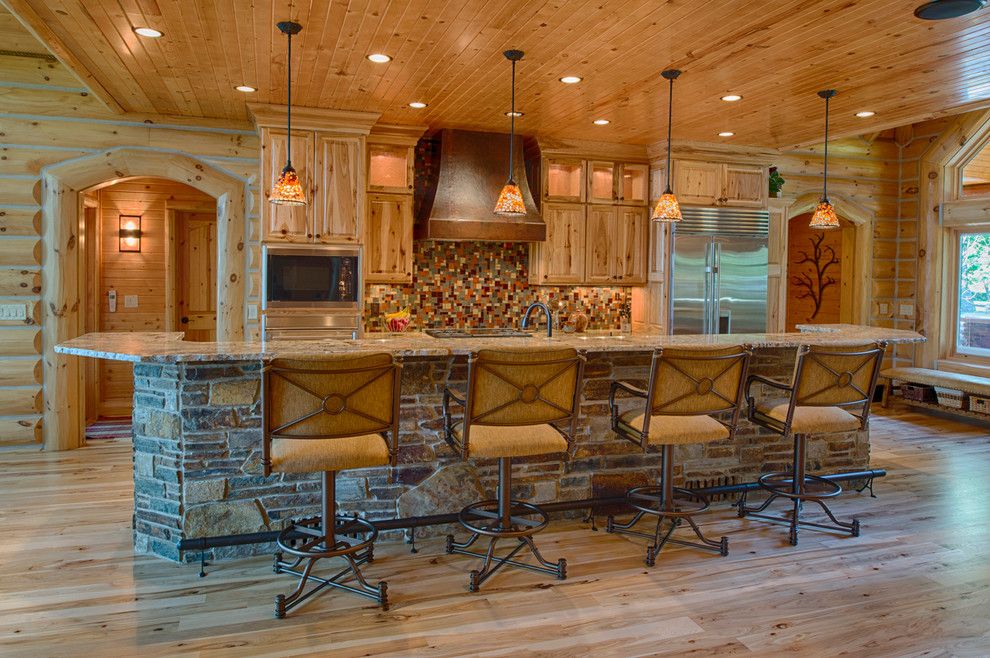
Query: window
point(973, 295)
point(976, 175)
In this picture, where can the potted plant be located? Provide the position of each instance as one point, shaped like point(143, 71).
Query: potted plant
point(776, 183)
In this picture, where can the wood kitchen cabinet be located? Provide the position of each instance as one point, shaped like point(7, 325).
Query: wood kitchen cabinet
point(338, 212)
point(746, 186)
point(618, 182)
point(616, 245)
point(388, 242)
point(720, 184)
point(563, 180)
point(560, 258)
point(283, 223)
point(390, 168)
point(330, 171)
point(697, 183)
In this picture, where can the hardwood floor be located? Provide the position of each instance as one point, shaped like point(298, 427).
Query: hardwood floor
point(916, 583)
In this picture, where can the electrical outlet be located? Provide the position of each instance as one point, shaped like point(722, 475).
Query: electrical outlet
point(130, 301)
point(906, 310)
point(14, 312)
point(884, 308)
point(252, 310)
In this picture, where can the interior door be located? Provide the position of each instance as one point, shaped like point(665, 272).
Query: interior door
point(741, 285)
point(690, 284)
point(196, 283)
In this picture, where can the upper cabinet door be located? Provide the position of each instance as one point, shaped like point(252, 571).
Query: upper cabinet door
point(697, 183)
point(631, 247)
point(338, 209)
point(634, 183)
point(388, 243)
point(390, 168)
point(280, 222)
point(746, 186)
point(602, 182)
point(561, 256)
point(600, 245)
point(563, 180)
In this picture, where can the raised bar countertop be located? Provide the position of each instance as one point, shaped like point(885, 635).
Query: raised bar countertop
point(160, 347)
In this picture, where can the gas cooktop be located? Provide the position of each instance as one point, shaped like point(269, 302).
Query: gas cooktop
point(479, 332)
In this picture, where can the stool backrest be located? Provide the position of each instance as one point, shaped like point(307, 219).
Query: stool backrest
point(331, 397)
point(698, 381)
point(827, 376)
point(523, 387)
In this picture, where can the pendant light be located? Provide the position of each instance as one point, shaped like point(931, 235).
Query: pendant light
point(824, 218)
point(667, 208)
point(510, 201)
point(287, 189)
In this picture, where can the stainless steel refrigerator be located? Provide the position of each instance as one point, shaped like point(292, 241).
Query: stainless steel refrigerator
point(718, 277)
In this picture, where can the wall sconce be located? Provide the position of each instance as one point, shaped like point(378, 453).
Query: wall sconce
point(130, 233)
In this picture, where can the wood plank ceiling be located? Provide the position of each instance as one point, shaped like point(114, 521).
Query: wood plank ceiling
point(447, 53)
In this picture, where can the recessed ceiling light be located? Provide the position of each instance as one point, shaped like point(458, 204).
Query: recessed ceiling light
point(865, 114)
point(516, 114)
point(726, 133)
point(602, 122)
point(570, 79)
point(417, 105)
point(379, 58)
point(147, 32)
point(247, 89)
point(731, 98)
point(940, 10)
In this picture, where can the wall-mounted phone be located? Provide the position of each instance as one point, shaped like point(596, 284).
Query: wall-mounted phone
point(112, 300)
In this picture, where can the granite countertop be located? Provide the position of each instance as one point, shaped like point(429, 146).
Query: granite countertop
point(159, 347)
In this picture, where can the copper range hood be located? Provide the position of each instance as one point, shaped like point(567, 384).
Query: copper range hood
point(456, 199)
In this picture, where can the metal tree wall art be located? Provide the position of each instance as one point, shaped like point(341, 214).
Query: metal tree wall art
point(813, 285)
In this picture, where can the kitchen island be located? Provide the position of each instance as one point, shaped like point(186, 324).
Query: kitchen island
point(197, 431)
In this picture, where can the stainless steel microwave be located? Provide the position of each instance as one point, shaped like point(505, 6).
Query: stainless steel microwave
point(310, 276)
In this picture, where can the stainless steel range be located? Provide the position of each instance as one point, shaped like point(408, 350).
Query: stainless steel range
point(311, 292)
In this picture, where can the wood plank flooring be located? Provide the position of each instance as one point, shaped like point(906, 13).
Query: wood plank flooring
point(916, 583)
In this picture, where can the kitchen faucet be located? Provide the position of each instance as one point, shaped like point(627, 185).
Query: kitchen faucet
point(546, 309)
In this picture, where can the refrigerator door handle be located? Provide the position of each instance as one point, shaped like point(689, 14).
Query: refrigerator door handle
point(706, 326)
point(717, 288)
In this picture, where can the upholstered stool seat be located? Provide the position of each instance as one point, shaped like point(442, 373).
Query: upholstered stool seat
point(808, 420)
point(830, 385)
point(511, 440)
point(518, 403)
point(316, 455)
point(675, 430)
point(324, 416)
point(694, 396)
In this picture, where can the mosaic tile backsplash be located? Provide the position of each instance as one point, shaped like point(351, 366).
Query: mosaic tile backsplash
point(484, 284)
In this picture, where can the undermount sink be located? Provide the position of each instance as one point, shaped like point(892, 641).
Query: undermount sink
point(479, 332)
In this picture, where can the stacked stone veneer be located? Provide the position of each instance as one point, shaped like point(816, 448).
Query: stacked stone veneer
point(197, 453)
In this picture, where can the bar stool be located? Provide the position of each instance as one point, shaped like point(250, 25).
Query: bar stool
point(827, 381)
point(687, 389)
point(327, 415)
point(515, 402)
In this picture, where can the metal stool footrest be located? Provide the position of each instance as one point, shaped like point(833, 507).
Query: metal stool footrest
point(308, 551)
point(812, 487)
point(650, 500)
point(472, 517)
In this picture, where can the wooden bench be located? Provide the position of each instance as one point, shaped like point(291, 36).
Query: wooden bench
point(965, 383)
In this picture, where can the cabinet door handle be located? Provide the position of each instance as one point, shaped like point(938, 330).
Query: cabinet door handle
point(317, 236)
point(309, 235)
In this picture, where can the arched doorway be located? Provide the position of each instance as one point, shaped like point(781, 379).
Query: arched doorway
point(858, 247)
point(820, 273)
point(62, 296)
point(150, 251)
